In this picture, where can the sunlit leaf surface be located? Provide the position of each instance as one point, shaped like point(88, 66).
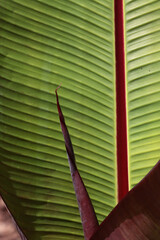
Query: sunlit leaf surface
point(44, 43)
point(142, 23)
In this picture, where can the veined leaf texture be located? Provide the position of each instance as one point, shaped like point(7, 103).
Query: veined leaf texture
point(44, 43)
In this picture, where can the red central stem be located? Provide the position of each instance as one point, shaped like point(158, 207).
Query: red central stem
point(122, 152)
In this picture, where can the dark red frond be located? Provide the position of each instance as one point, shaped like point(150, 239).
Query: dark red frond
point(88, 216)
point(137, 216)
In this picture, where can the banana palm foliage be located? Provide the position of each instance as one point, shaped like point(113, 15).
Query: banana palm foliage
point(44, 43)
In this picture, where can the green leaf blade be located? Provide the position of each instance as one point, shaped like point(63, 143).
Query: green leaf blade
point(44, 44)
point(142, 70)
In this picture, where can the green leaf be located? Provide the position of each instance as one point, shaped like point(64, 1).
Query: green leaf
point(44, 43)
point(143, 86)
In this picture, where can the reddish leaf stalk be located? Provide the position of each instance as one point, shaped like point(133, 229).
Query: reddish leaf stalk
point(122, 151)
point(88, 216)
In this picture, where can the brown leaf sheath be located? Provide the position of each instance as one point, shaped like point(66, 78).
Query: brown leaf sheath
point(87, 213)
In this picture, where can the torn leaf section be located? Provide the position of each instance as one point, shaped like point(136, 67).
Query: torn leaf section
point(87, 213)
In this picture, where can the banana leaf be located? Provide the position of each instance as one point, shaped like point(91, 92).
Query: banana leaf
point(44, 43)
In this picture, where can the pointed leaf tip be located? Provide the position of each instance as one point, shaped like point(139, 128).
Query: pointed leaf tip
point(68, 143)
point(58, 88)
point(88, 216)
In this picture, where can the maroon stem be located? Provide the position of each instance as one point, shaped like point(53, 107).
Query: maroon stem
point(122, 153)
